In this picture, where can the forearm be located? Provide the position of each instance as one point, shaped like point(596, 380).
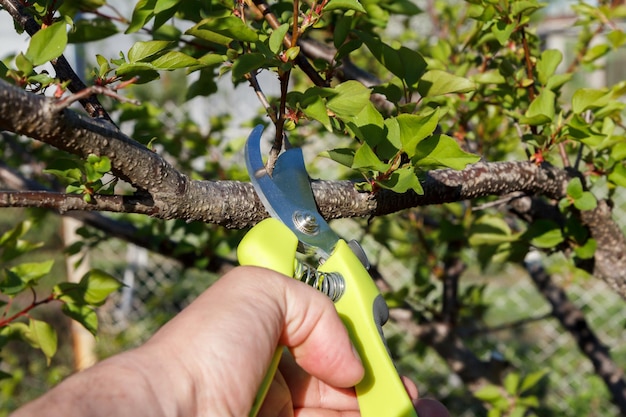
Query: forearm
point(121, 386)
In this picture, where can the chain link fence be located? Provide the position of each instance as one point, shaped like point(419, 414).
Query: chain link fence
point(158, 287)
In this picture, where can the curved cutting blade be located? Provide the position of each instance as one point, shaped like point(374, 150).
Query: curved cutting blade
point(287, 194)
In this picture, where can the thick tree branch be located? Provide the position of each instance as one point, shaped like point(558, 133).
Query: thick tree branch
point(166, 193)
point(610, 255)
point(573, 320)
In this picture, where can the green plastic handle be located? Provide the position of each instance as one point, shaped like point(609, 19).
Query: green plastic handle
point(272, 245)
point(363, 311)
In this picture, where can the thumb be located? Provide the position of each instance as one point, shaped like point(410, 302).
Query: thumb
point(317, 338)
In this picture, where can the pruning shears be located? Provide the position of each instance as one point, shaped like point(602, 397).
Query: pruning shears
point(297, 226)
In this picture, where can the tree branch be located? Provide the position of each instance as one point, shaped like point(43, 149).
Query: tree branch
point(167, 193)
point(573, 320)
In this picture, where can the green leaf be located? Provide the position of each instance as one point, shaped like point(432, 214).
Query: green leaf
point(618, 175)
point(33, 271)
point(146, 51)
point(344, 156)
point(531, 380)
point(144, 70)
point(405, 63)
point(41, 335)
point(502, 30)
point(586, 201)
point(511, 383)
point(588, 250)
point(162, 5)
point(574, 188)
point(415, 128)
point(442, 151)
point(541, 110)
point(403, 180)
point(142, 13)
point(97, 286)
point(436, 83)
point(366, 158)
point(351, 97)
point(247, 63)
point(547, 64)
point(344, 5)
point(23, 64)
point(595, 52)
point(544, 234)
point(83, 314)
point(223, 30)
point(100, 164)
point(317, 111)
point(490, 230)
point(369, 126)
point(589, 98)
point(29, 273)
point(89, 30)
point(277, 37)
point(47, 44)
point(489, 393)
point(405, 7)
point(174, 60)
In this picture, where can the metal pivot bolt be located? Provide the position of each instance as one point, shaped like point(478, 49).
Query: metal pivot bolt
point(305, 222)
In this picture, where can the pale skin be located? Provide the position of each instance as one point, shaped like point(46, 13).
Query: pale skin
point(211, 358)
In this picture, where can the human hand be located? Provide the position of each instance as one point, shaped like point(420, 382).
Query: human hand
point(264, 309)
point(211, 358)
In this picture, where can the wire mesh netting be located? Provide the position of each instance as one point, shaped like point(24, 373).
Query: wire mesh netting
point(533, 342)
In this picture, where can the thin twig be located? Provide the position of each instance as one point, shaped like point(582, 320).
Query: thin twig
point(89, 91)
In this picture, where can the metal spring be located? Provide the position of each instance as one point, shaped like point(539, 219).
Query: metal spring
point(329, 283)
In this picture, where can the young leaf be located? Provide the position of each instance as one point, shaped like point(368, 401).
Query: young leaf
point(437, 83)
point(83, 314)
point(41, 335)
point(173, 60)
point(344, 5)
point(531, 380)
point(143, 51)
point(47, 44)
point(574, 188)
point(586, 201)
point(403, 180)
point(618, 175)
point(351, 97)
point(489, 393)
point(344, 156)
point(544, 234)
point(511, 383)
point(442, 151)
point(415, 128)
point(223, 30)
point(277, 36)
point(247, 63)
point(490, 230)
point(89, 30)
point(541, 110)
point(366, 158)
point(142, 13)
point(97, 286)
point(405, 63)
point(547, 65)
point(589, 98)
point(31, 272)
point(162, 5)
